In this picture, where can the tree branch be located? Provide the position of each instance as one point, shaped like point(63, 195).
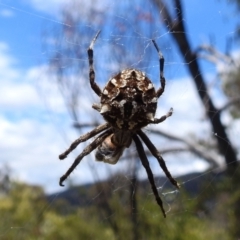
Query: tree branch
point(213, 55)
point(231, 102)
point(198, 150)
point(178, 32)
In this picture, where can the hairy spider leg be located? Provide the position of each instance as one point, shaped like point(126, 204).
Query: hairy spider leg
point(158, 156)
point(161, 66)
point(84, 138)
point(163, 118)
point(145, 163)
point(94, 85)
point(85, 152)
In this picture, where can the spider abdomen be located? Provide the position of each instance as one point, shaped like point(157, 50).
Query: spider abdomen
point(128, 101)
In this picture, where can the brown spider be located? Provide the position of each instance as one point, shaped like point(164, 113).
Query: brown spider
point(127, 103)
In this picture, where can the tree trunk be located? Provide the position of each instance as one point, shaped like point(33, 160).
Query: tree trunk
point(178, 32)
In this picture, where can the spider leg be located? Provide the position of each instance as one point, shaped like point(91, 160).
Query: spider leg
point(158, 156)
point(94, 85)
point(145, 164)
point(84, 138)
point(85, 152)
point(161, 65)
point(164, 117)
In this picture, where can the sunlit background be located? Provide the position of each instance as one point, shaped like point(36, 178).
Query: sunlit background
point(46, 100)
point(35, 125)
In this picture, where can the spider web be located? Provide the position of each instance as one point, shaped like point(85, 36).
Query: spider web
point(38, 132)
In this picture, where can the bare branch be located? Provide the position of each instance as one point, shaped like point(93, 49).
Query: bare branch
point(178, 33)
point(178, 9)
point(169, 22)
point(85, 125)
point(200, 151)
point(233, 101)
point(213, 55)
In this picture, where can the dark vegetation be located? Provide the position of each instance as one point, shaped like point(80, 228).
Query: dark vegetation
point(202, 209)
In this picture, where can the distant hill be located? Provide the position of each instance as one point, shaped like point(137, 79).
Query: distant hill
point(80, 195)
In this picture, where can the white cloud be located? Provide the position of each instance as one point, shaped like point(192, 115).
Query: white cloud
point(30, 137)
point(5, 60)
point(181, 95)
point(15, 92)
point(34, 130)
point(18, 95)
point(6, 13)
point(51, 7)
point(35, 126)
point(78, 8)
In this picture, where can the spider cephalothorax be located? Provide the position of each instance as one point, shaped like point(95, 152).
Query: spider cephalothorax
point(127, 103)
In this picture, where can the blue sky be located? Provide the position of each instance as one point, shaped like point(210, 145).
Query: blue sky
point(34, 129)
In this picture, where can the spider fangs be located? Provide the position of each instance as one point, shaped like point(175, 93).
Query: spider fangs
point(127, 103)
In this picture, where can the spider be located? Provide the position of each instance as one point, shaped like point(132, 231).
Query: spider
point(127, 103)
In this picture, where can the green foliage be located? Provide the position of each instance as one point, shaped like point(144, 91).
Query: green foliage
point(231, 87)
point(27, 214)
point(230, 204)
point(183, 222)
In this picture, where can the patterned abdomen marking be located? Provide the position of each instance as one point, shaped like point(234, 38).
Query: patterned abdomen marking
point(129, 100)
